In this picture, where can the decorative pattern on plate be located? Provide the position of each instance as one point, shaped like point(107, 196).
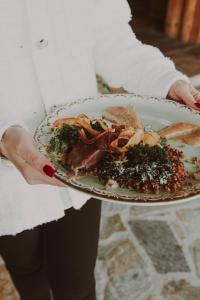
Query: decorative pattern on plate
point(155, 112)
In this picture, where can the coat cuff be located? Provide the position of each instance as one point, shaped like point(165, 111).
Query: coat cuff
point(78, 198)
point(170, 79)
point(5, 125)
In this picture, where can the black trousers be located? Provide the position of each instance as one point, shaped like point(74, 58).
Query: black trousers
point(59, 256)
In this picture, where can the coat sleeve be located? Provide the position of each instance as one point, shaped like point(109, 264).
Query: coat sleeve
point(9, 111)
point(7, 121)
point(122, 60)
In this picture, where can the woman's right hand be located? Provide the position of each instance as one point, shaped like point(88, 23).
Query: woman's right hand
point(19, 147)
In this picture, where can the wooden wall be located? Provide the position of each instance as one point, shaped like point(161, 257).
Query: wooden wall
point(177, 18)
point(183, 20)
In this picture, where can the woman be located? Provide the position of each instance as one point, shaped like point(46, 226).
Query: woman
point(50, 54)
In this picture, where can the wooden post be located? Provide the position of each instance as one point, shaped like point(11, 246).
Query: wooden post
point(195, 32)
point(173, 19)
point(198, 37)
point(188, 19)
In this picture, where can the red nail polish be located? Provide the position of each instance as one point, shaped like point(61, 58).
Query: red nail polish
point(49, 171)
point(197, 104)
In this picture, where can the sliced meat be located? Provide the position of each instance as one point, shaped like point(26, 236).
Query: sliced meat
point(123, 116)
point(93, 158)
point(84, 156)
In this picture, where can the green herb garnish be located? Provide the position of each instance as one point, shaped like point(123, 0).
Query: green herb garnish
point(141, 164)
point(63, 139)
point(163, 141)
point(96, 125)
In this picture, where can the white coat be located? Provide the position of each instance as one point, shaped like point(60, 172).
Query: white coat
point(50, 53)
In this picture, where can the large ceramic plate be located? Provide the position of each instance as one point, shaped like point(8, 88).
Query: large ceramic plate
point(155, 113)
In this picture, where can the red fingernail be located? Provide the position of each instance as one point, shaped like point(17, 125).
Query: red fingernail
point(49, 171)
point(197, 104)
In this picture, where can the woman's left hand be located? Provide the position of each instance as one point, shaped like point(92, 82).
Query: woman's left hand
point(184, 92)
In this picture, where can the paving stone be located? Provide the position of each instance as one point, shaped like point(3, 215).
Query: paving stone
point(109, 207)
point(150, 298)
point(180, 290)
point(195, 252)
point(130, 285)
point(179, 230)
point(120, 256)
point(186, 214)
point(101, 279)
point(152, 211)
point(128, 277)
point(190, 219)
point(7, 289)
point(110, 293)
point(161, 245)
point(111, 225)
point(160, 211)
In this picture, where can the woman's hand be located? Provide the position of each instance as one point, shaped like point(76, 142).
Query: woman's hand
point(184, 92)
point(20, 148)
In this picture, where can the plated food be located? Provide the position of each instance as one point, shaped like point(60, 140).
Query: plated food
point(122, 154)
point(112, 173)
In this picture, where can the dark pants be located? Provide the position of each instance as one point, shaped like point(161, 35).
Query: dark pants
point(59, 255)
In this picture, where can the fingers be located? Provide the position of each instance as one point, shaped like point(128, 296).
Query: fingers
point(21, 143)
point(20, 149)
point(31, 175)
point(29, 153)
point(34, 177)
point(183, 91)
point(37, 161)
point(196, 94)
point(197, 97)
point(187, 97)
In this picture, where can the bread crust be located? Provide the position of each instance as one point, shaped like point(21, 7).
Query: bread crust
point(151, 138)
point(123, 116)
point(177, 129)
point(192, 138)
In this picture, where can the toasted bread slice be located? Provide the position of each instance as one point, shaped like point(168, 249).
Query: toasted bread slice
point(151, 138)
point(123, 116)
point(177, 129)
point(191, 138)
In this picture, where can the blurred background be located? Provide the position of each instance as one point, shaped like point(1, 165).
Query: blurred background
point(173, 26)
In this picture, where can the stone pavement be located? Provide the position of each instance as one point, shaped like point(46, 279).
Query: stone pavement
point(149, 253)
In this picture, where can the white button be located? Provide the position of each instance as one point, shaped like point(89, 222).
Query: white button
point(43, 43)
